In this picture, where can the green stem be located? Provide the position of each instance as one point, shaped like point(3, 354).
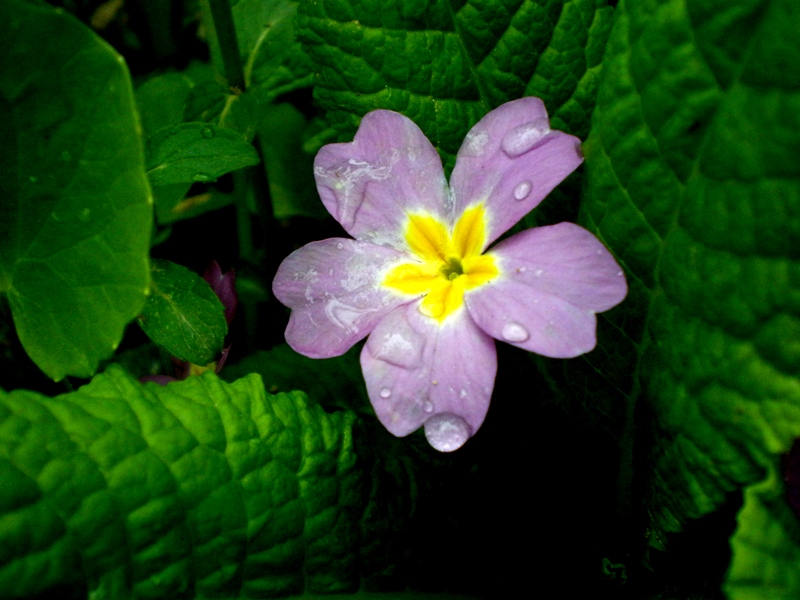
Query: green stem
point(222, 17)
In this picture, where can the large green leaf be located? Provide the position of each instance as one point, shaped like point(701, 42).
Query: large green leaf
point(75, 231)
point(446, 63)
point(197, 489)
point(693, 180)
point(766, 546)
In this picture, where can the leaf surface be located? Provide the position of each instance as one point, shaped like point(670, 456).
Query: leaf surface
point(196, 489)
point(693, 180)
point(446, 63)
point(75, 232)
point(766, 546)
point(196, 152)
point(183, 314)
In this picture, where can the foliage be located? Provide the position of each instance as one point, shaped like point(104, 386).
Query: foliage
point(109, 487)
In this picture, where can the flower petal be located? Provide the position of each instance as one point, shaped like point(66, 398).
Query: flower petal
point(511, 160)
point(419, 372)
point(333, 291)
point(553, 280)
point(369, 184)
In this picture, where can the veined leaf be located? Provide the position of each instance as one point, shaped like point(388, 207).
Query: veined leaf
point(273, 61)
point(446, 63)
point(196, 152)
point(197, 489)
point(693, 180)
point(766, 546)
point(77, 214)
point(183, 315)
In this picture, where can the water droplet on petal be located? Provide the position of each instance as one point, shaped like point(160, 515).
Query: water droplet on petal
point(427, 406)
point(447, 432)
point(526, 137)
point(462, 394)
point(208, 132)
point(202, 177)
point(598, 252)
point(619, 273)
point(538, 272)
point(385, 392)
point(514, 332)
point(522, 190)
point(402, 347)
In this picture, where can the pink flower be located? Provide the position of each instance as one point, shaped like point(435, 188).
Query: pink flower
point(417, 277)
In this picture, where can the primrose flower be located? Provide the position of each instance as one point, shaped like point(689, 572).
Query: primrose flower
point(418, 278)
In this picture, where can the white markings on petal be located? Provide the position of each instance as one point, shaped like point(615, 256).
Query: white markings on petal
point(348, 180)
point(345, 316)
point(514, 332)
point(475, 143)
point(447, 432)
point(402, 348)
point(524, 138)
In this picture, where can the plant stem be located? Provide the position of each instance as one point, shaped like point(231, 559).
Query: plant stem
point(222, 17)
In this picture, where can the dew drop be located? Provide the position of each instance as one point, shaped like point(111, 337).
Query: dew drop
point(447, 432)
point(538, 272)
point(208, 132)
point(526, 137)
point(619, 273)
point(385, 392)
point(427, 406)
point(202, 177)
point(340, 245)
point(514, 332)
point(598, 252)
point(522, 190)
point(462, 394)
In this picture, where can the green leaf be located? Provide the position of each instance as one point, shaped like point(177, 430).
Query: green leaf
point(693, 180)
point(445, 64)
point(766, 546)
point(183, 315)
point(272, 58)
point(197, 489)
point(196, 152)
point(162, 99)
point(76, 223)
point(290, 168)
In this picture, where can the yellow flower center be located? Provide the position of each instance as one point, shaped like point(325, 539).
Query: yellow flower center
point(450, 264)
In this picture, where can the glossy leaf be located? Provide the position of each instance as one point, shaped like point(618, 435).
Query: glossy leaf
point(77, 216)
point(183, 315)
point(196, 152)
